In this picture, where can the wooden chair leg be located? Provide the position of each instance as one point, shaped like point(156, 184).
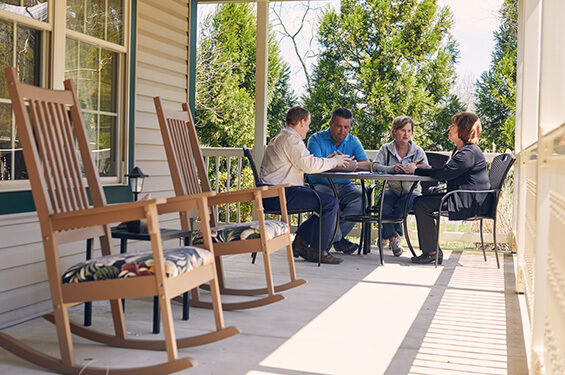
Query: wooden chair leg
point(268, 274)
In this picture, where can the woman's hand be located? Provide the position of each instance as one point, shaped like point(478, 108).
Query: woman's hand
point(410, 168)
point(399, 168)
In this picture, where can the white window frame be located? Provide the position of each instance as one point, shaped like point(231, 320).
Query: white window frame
point(53, 74)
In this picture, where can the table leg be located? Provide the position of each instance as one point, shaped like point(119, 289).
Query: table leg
point(405, 216)
point(380, 220)
point(156, 315)
point(365, 226)
point(123, 249)
point(88, 305)
point(185, 308)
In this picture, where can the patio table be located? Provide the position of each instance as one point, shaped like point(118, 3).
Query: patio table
point(368, 215)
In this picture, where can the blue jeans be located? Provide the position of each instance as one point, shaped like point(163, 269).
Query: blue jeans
point(349, 197)
point(304, 197)
point(393, 207)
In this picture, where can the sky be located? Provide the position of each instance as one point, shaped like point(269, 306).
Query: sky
point(474, 24)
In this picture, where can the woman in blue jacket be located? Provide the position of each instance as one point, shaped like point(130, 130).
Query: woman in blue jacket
point(467, 169)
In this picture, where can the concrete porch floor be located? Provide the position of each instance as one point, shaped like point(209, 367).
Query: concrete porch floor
point(354, 318)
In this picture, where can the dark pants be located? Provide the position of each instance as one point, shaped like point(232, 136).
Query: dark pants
point(424, 207)
point(304, 198)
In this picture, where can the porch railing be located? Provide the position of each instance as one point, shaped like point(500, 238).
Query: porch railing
point(219, 160)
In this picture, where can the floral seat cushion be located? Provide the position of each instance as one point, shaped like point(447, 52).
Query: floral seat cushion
point(177, 261)
point(244, 231)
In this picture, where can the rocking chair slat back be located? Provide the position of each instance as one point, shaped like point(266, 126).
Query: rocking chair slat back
point(183, 152)
point(50, 128)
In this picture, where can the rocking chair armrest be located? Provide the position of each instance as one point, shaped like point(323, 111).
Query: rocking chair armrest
point(102, 215)
point(183, 202)
point(274, 190)
point(246, 195)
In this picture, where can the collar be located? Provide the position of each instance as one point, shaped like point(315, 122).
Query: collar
point(327, 136)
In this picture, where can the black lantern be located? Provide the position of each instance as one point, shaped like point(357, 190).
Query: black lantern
point(136, 178)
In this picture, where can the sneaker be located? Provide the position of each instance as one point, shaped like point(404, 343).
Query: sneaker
point(345, 246)
point(395, 247)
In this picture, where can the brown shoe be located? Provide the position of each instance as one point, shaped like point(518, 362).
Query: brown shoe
point(299, 247)
point(325, 258)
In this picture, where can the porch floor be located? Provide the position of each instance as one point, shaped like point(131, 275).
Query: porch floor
point(354, 318)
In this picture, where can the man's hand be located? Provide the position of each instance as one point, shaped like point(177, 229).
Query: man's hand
point(351, 166)
point(344, 162)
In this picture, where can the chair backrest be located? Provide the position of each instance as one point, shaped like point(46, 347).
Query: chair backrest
point(435, 160)
point(499, 169)
point(184, 156)
point(497, 175)
point(249, 156)
point(50, 138)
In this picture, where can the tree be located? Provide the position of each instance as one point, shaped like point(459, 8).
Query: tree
point(225, 84)
point(496, 88)
point(382, 59)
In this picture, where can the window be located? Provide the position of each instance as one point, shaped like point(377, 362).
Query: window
point(94, 55)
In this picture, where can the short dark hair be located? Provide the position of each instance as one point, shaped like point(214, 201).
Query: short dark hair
point(468, 127)
point(343, 113)
point(295, 114)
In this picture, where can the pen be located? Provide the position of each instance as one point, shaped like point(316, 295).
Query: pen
point(421, 160)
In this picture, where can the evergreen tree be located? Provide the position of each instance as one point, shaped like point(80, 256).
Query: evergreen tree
point(496, 88)
point(381, 59)
point(225, 84)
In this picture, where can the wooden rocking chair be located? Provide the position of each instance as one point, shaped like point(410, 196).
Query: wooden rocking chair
point(48, 140)
point(190, 177)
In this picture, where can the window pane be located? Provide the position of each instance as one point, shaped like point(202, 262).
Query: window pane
point(5, 141)
point(100, 21)
point(75, 15)
point(28, 8)
point(115, 27)
point(88, 75)
point(71, 60)
point(21, 49)
point(95, 18)
point(91, 124)
point(95, 73)
point(28, 44)
point(106, 150)
point(6, 54)
point(108, 81)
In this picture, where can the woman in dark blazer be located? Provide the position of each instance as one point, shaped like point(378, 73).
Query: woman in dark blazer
point(467, 169)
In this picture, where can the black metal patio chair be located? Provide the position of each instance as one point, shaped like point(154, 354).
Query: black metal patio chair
point(497, 175)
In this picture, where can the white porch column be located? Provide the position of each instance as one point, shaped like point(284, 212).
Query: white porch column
point(261, 67)
point(527, 109)
point(58, 12)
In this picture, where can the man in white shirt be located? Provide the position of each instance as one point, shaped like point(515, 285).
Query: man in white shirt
point(286, 161)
